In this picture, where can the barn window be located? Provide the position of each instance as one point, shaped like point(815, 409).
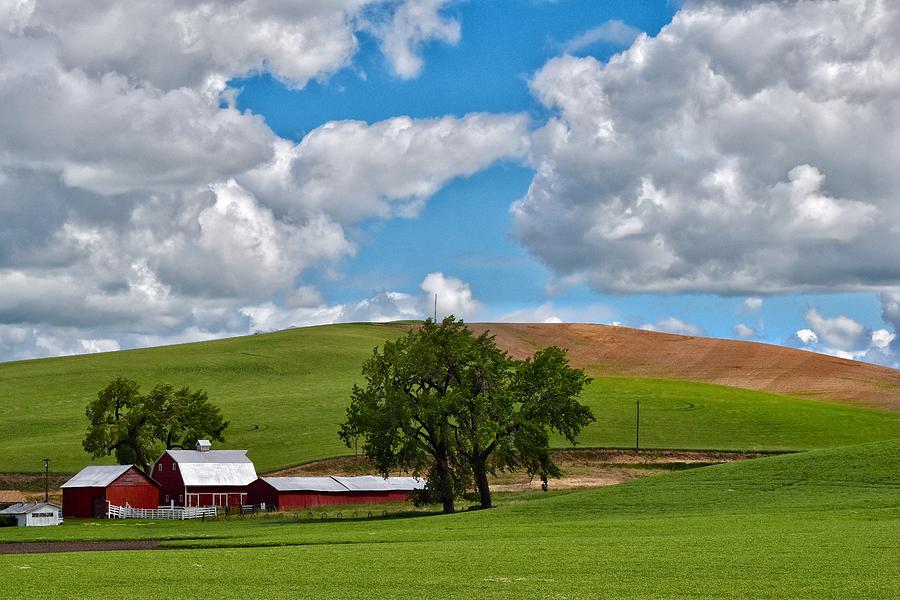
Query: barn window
point(180, 498)
point(167, 497)
point(160, 467)
point(174, 466)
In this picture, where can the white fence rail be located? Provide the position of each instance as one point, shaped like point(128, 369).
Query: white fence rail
point(174, 513)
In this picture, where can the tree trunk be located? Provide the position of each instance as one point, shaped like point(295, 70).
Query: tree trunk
point(442, 468)
point(481, 482)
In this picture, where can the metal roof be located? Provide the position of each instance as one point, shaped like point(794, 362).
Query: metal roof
point(214, 467)
point(219, 473)
point(96, 476)
point(305, 484)
point(369, 483)
point(406, 483)
point(23, 508)
point(210, 456)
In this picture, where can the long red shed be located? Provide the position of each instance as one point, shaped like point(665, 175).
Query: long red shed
point(296, 493)
point(86, 494)
point(204, 477)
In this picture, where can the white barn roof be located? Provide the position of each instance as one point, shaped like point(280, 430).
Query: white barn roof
point(96, 476)
point(304, 484)
point(214, 467)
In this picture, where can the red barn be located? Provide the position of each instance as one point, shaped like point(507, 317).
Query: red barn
point(204, 477)
point(293, 493)
point(86, 494)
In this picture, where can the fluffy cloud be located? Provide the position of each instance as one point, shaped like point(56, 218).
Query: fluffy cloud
point(139, 206)
point(674, 325)
point(847, 338)
point(807, 337)
point(713, 157)
point(744, 331)
point(351, 170)
point(175, 44)
point(413, 23)
point(753, 303)
point(454, 297)
point(842, 333)
point(21, 343)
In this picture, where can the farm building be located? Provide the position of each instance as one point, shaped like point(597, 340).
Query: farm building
point(292, 493)
point(86, 494)
point(367, 488)
point(34, 514)
point(204, 477)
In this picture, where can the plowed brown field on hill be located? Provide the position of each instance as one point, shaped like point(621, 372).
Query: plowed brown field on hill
point(608, 350)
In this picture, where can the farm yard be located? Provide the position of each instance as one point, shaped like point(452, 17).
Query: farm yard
point(822, 520)
point(810, 525)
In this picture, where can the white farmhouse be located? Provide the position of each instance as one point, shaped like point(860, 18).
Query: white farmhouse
point(34, 513)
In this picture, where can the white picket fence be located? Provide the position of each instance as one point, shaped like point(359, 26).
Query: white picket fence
point(174, 513)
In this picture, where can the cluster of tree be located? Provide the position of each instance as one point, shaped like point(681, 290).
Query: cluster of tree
point(450, 405)
point(138, 426)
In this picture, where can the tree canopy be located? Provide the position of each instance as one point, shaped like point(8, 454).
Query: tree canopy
point(136, 426)
point(448, 404)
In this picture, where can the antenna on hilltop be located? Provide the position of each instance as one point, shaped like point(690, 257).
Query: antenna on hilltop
point(435, 308)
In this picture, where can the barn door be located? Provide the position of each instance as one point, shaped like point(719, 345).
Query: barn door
point(98, 507)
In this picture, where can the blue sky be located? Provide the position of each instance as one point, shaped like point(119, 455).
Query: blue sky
point(249, 166)
point(465, 230)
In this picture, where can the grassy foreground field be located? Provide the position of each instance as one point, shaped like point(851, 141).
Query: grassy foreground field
point(821, 524)
point(285, 394)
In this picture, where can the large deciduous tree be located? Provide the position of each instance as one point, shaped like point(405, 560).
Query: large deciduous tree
point(136, 426)
point(444, 402)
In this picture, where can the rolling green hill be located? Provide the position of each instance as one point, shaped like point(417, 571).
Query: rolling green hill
point(285, 394)
point(819, 524)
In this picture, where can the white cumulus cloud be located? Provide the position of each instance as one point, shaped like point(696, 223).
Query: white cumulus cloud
point(744, 331)
point(454, 296)
point(714, 157)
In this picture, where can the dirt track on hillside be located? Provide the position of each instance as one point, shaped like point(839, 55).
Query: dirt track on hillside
point(608, 350)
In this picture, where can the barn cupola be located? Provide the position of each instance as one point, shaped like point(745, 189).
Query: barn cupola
point(203, 445)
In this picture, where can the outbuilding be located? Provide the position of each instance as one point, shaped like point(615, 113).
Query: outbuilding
point(34, 514)
point(86, 495)
point(294, 493)
point(204, 477)
point(370, 489)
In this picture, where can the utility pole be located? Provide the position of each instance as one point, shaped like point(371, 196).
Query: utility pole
point(435, 308)
point(46, 480)
point(637, 429)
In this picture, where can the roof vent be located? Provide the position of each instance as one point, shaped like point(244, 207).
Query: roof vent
point(203, 445)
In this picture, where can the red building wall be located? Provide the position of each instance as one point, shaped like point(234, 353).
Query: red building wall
point(132, 487)
point(171, 486)
point(260, 492)
point(79, 502)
